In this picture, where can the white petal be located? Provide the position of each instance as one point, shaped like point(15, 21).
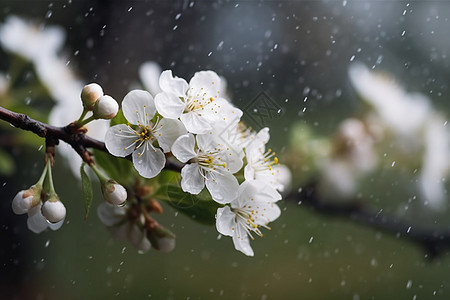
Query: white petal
point(257, 190)
point(120, 140)
point(226, 221)
point(191, 179)
point(137, 238)
point(242, 243)
point(168, 131)
point(57, 225)
point(195, 123)
point(36, 221)
point(207, 82)
point(148, 161)
point(223, 188)
point(249, 172)
point(183, 148)
point(169, 105)
point(109, 214)
point(149, 73)
point(170, 84)
point(138, 107)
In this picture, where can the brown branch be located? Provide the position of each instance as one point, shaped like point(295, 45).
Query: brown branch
point(72, 135)
point(434, 241)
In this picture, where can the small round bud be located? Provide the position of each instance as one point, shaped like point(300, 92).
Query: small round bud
point(54, 210)
point(114, 193)
point(106, 107)
point(26, 199)
point(90, 95)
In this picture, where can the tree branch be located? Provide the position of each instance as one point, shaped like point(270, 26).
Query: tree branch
point(72, 135)
point(434, 241)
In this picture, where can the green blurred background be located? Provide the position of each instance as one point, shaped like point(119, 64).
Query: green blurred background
point(288, 49)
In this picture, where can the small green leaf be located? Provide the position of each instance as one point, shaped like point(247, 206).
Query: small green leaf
point(7, 166)
point(200, 208)
point(119, 119)
point(87, 190)
point(119, 169)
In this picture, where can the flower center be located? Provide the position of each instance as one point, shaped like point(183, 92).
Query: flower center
point(196, 101)
point(266, 162)
point(210, 160)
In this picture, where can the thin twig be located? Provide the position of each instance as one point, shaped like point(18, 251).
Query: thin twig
point(434, 241)
point(74, 136)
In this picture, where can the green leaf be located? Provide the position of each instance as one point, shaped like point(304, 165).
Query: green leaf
point(200, 208)
point(119, 169)
point(87, 190)
point(119, 119)
point(7, 166)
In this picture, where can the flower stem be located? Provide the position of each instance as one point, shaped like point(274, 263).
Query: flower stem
point(103, 179)
point(44, 172)
point(83, 114)
point(50, 177)
point(84, 122)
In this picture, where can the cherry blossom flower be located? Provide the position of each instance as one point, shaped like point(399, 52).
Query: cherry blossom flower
point(210, 163)
point(122, 140)
point(263, 165)
point(198, 104)
point(253, 208)
point(121, 227)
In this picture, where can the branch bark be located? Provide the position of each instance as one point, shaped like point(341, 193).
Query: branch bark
point(434, 241)
point(74, 136)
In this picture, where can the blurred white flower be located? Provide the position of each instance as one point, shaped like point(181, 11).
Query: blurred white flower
point(352, 157)
point(31, 41)
point(122, 228)
point(149, 73)
point(254, 207)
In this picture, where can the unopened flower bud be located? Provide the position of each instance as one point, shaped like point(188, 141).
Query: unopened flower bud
point(26, 199)
point(106, 107)
point(161, 238)
point(114, 193)
point(53, 209)
point(90, 94)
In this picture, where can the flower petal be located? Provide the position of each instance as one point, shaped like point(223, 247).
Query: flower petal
point(36, 222)
point(170, 84)
point(120, 140)
point(195, 123)
point(168, 131)
point(149, 73)
point(148, 161)
point(208, 82)
point(242, 243)
point(169, 105)
point(109, 214)
point(222, 187)
point(226, 221)
point(138, 107)
point(183, 148)
point(191, 179)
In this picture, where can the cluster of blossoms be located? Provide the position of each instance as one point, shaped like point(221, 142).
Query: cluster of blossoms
point(42, 204)
point(198, 126)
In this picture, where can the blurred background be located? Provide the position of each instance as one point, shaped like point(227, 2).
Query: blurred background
point(297, 53)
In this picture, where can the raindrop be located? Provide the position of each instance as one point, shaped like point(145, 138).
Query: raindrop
point(409, 284)
point(352, 58)
point(40, 147)
point(177, 16)
point(408, 230)
point(210, 53)
point(344, 3)
point(175, 27)
point(393, 163)
point(47, 243)
point(48, 14)
point(310, 239)
point(403, 33)
point(76, 52)
point(131, 7)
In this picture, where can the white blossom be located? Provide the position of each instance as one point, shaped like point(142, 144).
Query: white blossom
point(253, 208)
point(210, 163)
point(122, 228)
point(263, 165)
point(122, 140)
point(199, 104)
point(31, 41)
